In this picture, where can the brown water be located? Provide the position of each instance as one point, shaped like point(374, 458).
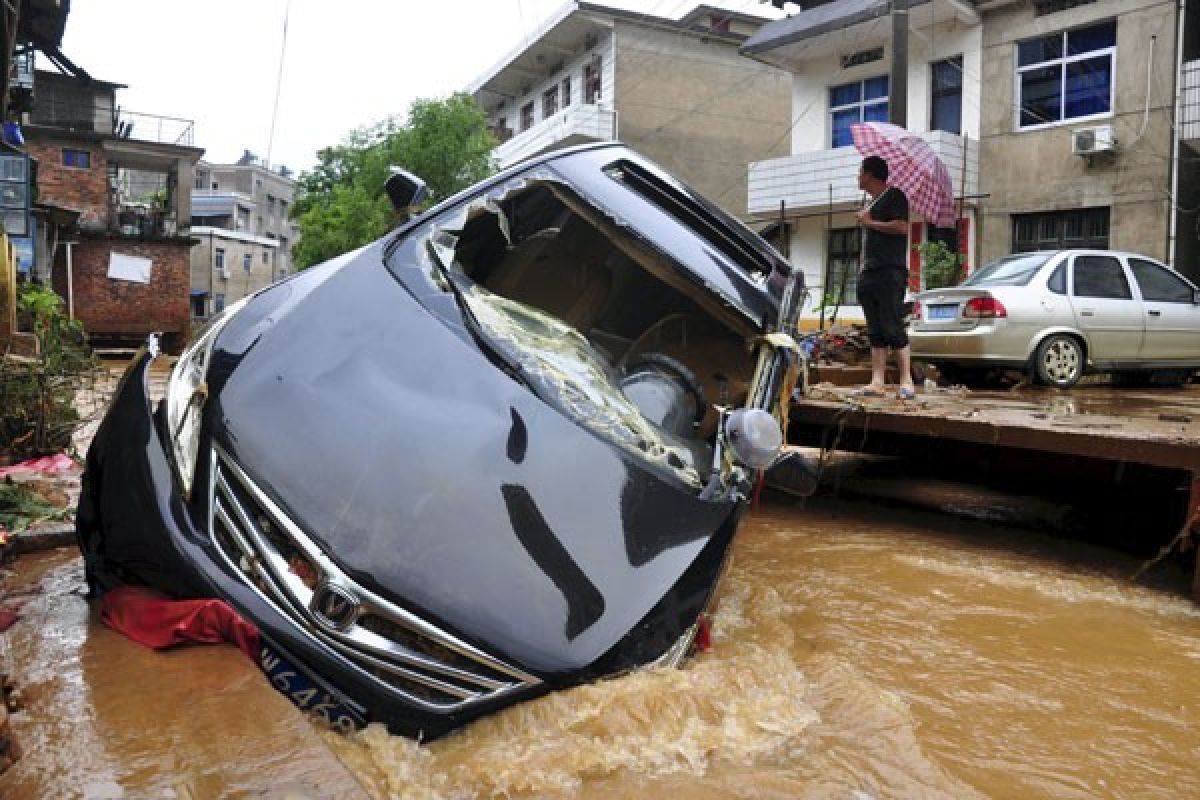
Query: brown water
point(859, 653)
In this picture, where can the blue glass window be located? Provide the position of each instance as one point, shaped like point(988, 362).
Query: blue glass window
point(1035, 51)
point(1066, 76)
point(946, 92)
point(875, 88)
point(1087, 40)
point(80, 159)
point(1041, 95)
point(845, 95)
point(861, 101)
point(1089, 87)
point(842, 120)
point(875, 113)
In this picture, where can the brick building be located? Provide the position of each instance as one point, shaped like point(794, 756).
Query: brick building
point(124, 269)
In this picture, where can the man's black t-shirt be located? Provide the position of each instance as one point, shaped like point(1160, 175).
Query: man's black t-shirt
point(884, 250)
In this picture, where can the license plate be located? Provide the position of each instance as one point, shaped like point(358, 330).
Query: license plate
point(943, 311)
point(304, 692)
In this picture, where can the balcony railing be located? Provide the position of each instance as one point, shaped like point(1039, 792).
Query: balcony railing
point(818, 179)
point(114, 122)
point(1189, 112)
point(577, 123)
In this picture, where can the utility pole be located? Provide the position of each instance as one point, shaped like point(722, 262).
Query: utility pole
point(898, 84)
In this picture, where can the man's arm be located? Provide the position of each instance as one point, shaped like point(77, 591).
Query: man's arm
point(897, 227)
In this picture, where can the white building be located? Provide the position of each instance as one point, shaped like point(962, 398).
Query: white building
point(676, 90)
point(840, 56)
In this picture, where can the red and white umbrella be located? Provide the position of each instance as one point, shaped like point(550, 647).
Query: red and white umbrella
point(913, 168)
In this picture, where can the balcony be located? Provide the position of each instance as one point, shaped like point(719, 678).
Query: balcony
point(573, 125)
point(104, 120)
point(1189, 111)
point(817, 180)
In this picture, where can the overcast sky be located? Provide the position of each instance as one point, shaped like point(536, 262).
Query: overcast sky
point(347, 63)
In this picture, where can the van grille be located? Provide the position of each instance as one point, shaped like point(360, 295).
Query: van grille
point(425, 665)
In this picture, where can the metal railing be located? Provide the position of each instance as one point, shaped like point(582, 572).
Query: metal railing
point(116, 122)
point(1189, 102)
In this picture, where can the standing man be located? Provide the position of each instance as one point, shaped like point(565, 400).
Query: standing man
point(884, 277)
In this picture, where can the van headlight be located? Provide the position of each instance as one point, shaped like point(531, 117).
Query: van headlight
point(754, 437)
point(187, 392)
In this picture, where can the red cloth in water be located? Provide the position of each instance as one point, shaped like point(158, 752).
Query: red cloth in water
point(158, 622)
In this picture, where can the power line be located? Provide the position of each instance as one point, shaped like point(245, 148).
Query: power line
point(278, 81)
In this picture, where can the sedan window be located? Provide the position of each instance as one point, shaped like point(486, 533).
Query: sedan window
point(1100, 276)
point(1160, 284)
point(1058, 280)
point(1010, 271)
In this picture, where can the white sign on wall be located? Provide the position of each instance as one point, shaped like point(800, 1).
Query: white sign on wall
point(129, 268)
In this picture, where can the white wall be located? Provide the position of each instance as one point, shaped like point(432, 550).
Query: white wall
point(810, 88)
point(808, 254)
point(511, 113)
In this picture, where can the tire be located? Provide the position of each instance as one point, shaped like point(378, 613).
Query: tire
point(1059, 360)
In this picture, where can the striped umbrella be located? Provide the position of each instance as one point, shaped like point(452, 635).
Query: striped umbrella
point(913, 168)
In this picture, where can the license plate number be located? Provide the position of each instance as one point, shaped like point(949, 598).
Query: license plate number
point(943, 312)
point(305, 693)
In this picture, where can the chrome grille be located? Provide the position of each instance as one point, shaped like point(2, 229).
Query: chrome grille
point(426, 665)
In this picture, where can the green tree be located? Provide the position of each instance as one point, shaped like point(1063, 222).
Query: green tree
point(341, 204)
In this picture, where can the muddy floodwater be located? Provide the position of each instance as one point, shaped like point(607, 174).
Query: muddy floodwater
point(859, 652)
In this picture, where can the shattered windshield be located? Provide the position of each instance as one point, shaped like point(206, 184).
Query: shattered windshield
point(569, 372)
point(486, 249)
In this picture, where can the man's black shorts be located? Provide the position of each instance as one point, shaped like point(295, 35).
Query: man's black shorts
point(881, 295)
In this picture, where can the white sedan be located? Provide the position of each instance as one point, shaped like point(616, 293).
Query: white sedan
point(1064, 313)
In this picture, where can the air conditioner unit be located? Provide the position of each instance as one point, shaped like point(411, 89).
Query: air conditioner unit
point(1090, 141)
point(223, 273)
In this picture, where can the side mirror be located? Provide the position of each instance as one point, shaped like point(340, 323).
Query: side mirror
point(405, 190)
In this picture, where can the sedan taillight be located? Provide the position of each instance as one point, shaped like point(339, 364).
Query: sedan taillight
point(984, 308)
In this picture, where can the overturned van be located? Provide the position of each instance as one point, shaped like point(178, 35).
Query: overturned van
point(500, 451)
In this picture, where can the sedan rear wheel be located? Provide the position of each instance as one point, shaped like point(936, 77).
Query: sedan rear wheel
point(1059, 361)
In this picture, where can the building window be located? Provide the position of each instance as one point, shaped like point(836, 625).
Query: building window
point(861, 101)
point(247, 260)
point(527, 116)
point(592, 80)
point(842, 258)
point(1066, 76)
point(1056, 230)
point(219, 259)
point(266, 257)
point(566, 91)
point(946, 93)
point(218, 303)
point(79, 159)
point(550, 102)
point(198, 306)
